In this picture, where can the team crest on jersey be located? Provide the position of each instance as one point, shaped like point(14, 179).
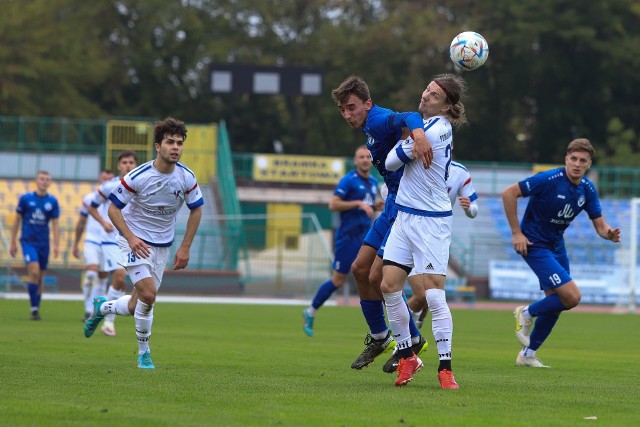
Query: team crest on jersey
point(581, 201)
point(177, 193)
point(48, 206)
point(370, 140)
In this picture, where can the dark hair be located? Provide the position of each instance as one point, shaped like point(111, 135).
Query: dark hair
point(109, 171)
point(128, 153)
point(352, 85)
point(455, 88)
point(168, 126)
point(581, 144)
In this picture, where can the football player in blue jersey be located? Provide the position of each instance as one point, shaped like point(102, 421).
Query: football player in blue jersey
point(382, 128)
point(354, 198)
point(35, 210)
point(556, 197)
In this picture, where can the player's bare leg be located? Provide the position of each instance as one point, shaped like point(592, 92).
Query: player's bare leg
point(379, 338)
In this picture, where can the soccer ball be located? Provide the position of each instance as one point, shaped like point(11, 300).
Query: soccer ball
point(469, 50)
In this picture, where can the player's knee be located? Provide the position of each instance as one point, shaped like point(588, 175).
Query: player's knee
point(119, 280)
point(572, 300)
point(375, 278)
point(359, 270)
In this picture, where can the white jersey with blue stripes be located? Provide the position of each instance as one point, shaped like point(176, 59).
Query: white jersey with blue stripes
point(424, 191)
point(150, 200)
point(101, 202)
point(94, 232)
point(459, 183)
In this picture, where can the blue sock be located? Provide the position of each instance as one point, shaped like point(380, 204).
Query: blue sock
point(413, 329)
point(547, 305)
point(33, 294)
point(542, 329)
point(373, 311)
point(323, 293)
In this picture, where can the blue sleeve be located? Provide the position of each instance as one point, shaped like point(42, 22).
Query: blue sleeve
point(534, 184)
point(412, 120)
point(593, 208)
point(342, 188)
point(20, 207)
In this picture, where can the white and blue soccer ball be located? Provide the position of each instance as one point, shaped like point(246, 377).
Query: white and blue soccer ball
point(469, 50)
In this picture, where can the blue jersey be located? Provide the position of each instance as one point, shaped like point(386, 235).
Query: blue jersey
point(354, 223)
point(383, 129)
point(554, 202)
point(36, 212)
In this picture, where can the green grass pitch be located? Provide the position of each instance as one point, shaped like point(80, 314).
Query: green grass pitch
point(244, 365)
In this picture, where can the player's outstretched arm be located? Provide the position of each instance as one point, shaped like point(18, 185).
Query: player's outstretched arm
point(55, 226)
point(181, 259)
point(13, 246)
point(510, 201)
point(80, 226)
point(605, 231)
point(96, 215)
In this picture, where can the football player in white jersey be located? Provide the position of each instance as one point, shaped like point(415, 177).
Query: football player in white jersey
point(460, 188)
point(420, 236)
point(95, 278)
point(143, 209)
point(98, 208)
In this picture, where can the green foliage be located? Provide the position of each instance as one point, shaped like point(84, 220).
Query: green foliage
point(243, 365)
point(557, 69)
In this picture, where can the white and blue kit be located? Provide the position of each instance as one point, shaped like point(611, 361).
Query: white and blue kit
point(421, 234)
point(36, 212)
point(150, 201)
point(554, 202)
point(383, 129)
point(93, 234)
point(459, 185)
point(354, 223)
point(111, 259)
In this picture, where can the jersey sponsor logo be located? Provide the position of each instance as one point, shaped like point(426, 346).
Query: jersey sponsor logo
point(38, 214)
point(160, 210)
point(566, 212)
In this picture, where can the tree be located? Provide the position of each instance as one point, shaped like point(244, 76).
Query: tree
point(51, 55)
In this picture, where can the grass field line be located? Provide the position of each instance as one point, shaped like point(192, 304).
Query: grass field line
point(340, 300)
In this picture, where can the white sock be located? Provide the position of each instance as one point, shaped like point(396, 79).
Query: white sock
point(525, 313)
point(90, 278)
point(143, 316)
point(416, 315)
point(99, 288)
point(112, 294)
point(527, 352)
point(311, 311)
point(441, 322)
point(398, 316)
point(118, 306)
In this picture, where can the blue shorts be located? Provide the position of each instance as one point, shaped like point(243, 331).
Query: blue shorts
point(379, 232)
point(346, 253)
point(551, 268)
point(39, 254)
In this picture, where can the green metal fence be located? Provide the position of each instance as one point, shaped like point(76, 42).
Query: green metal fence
point(38, 134)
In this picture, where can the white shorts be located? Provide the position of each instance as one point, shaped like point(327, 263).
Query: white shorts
point(111, 257)
point(139, 268)
point(92, 254)
point(420, 242)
